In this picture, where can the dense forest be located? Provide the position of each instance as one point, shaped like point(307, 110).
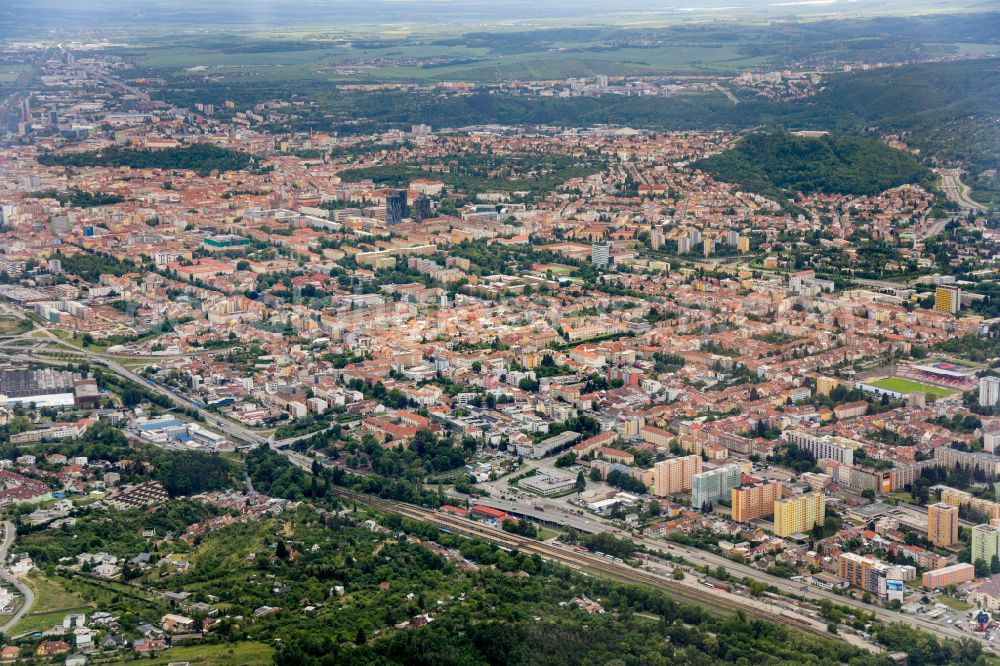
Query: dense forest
point(90, 266)
point(780, 163)
point(202, 158)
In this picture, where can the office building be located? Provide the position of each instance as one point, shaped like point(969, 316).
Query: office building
point(942, 524)
point(985, 543)
point(421, 208)
point(707, 488)
point(947, 299)
point(675, 475)
point(989, 391)
point(755, 500)
point(600, 254)
point(798, 514)
point(395, 207)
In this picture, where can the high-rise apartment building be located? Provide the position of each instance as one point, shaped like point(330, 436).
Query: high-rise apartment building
point(657, 238)
point(985, 542)
point(864, 572)
point(755, 500)
point(947, 299)
point(989, 391)
point(942, 524)
point(799, 513)
point(600, 254)
point(707, 488)
point(674, 475)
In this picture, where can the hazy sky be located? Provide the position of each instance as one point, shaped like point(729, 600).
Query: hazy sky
point(19, 16)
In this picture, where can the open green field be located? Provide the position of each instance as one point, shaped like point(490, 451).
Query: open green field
point(901, 385)
point(13, 325)
point(223, 654)
point(52, 603)
point(9, 73)
point(902, 496)
point(557, 269)
point(953, 603)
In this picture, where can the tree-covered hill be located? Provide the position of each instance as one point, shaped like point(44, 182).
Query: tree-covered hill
point(779, 163)
point(949, 110)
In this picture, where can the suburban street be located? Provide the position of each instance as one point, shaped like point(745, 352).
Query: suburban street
point(9, 535)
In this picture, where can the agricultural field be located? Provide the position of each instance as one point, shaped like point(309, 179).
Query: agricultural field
point(902, 385)
point(456, 52)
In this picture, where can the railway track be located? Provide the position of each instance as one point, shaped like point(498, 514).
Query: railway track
point(587, 563)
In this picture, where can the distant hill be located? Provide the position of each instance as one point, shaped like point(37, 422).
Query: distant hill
point(779, 164)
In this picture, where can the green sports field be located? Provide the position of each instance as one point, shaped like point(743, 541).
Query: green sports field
point(901, 385)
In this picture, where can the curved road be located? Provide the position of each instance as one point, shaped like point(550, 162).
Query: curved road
point(9, 533)
point(957, 191)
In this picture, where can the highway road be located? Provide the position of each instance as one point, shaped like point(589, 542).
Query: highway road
point(956, 190)
point(936, 227)
point(729, 95)
point(9, 534)
point(21, 84)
